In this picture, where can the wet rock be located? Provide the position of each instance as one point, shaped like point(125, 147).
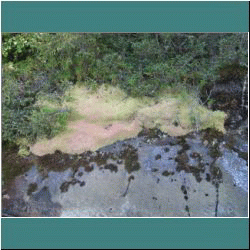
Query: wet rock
point(190, 160)
point(82, 184)
point(195, 155)
point(166, 149)
point(89, 168)
point(187, 210)
point(155, 170)
point(208, 178)
point(65, 187)
point(80, 174)
point(182, 158)
point(32, 188)
point(183, 189)
point(111, 167)
point(119, 161)
point(131, 178)
point(166, 173)
point(74, 181)
point(158, 157)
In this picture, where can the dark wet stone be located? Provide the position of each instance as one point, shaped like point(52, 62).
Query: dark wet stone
point(43, 195)
point(187, 210)
point(32, 188)
point(216, 173)
point(184, 167)
point(175, 123)
point(155, 170)
point(172, 141)
point(166, 149)
point(89, 168)
point(157, 157)
point(195, 155)
point(111, 167)
point(182, 158)
point(198, 178)
point(206, 194)
point(74, 181)
point(185, 147)
point(65, 187)
point(158, 180)
point(170, 158)
point(119, 161)
point(181, 151)
point(208, 177)
point(80, 174)
point(82, 184)
point(214, 151)
point(166, 173)
point(186, 197)
point(154, 198)
point(183, 189)
point(131, 178)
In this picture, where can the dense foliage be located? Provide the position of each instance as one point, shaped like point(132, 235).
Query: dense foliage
point(44, 65)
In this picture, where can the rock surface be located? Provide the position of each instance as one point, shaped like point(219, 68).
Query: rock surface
point(146, 176)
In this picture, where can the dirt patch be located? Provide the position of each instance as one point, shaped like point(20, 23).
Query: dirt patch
point(83, 136)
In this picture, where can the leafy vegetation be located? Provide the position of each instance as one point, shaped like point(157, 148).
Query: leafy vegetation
point(42, 66)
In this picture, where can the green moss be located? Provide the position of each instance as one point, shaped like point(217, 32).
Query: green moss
point(13, 165)
point(131, 159)
point(32, 188)
point(210, 134)
point(23, 151)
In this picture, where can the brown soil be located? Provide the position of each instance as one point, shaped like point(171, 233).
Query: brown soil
point(83, 136)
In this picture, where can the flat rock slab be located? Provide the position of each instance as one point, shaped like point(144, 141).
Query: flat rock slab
point(139, 177)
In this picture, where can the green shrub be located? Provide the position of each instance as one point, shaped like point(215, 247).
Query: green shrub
point(47, 122)
point(143, 64)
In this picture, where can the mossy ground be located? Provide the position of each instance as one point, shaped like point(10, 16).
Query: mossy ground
point(103, 116)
